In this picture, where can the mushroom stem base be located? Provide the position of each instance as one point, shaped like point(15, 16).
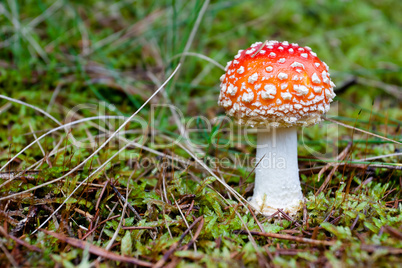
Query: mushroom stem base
point(277, 184)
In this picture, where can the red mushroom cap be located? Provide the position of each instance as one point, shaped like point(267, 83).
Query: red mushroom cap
point(277, 84)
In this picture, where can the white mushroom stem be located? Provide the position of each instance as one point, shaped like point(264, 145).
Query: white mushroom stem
point(277, 183)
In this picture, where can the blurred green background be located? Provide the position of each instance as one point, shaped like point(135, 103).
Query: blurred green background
point(87, 46)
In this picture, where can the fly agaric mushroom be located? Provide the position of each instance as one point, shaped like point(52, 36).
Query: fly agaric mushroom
point(276, 86)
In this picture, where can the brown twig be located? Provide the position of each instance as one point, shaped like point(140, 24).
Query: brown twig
point(197, 233)
point(138, 228)
point(190, 208)
point(19, 241)
point(271, 258)
point(101, 252)
point(262, 262)
point(395, 233)
point(374, 248)
point(286, 216)
point(340, 157)
point(291, 238)
point(174, 246)
point(184, 219)
point(136, 214)
point(8, 255)
point(101, 194)
point(102, 222)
